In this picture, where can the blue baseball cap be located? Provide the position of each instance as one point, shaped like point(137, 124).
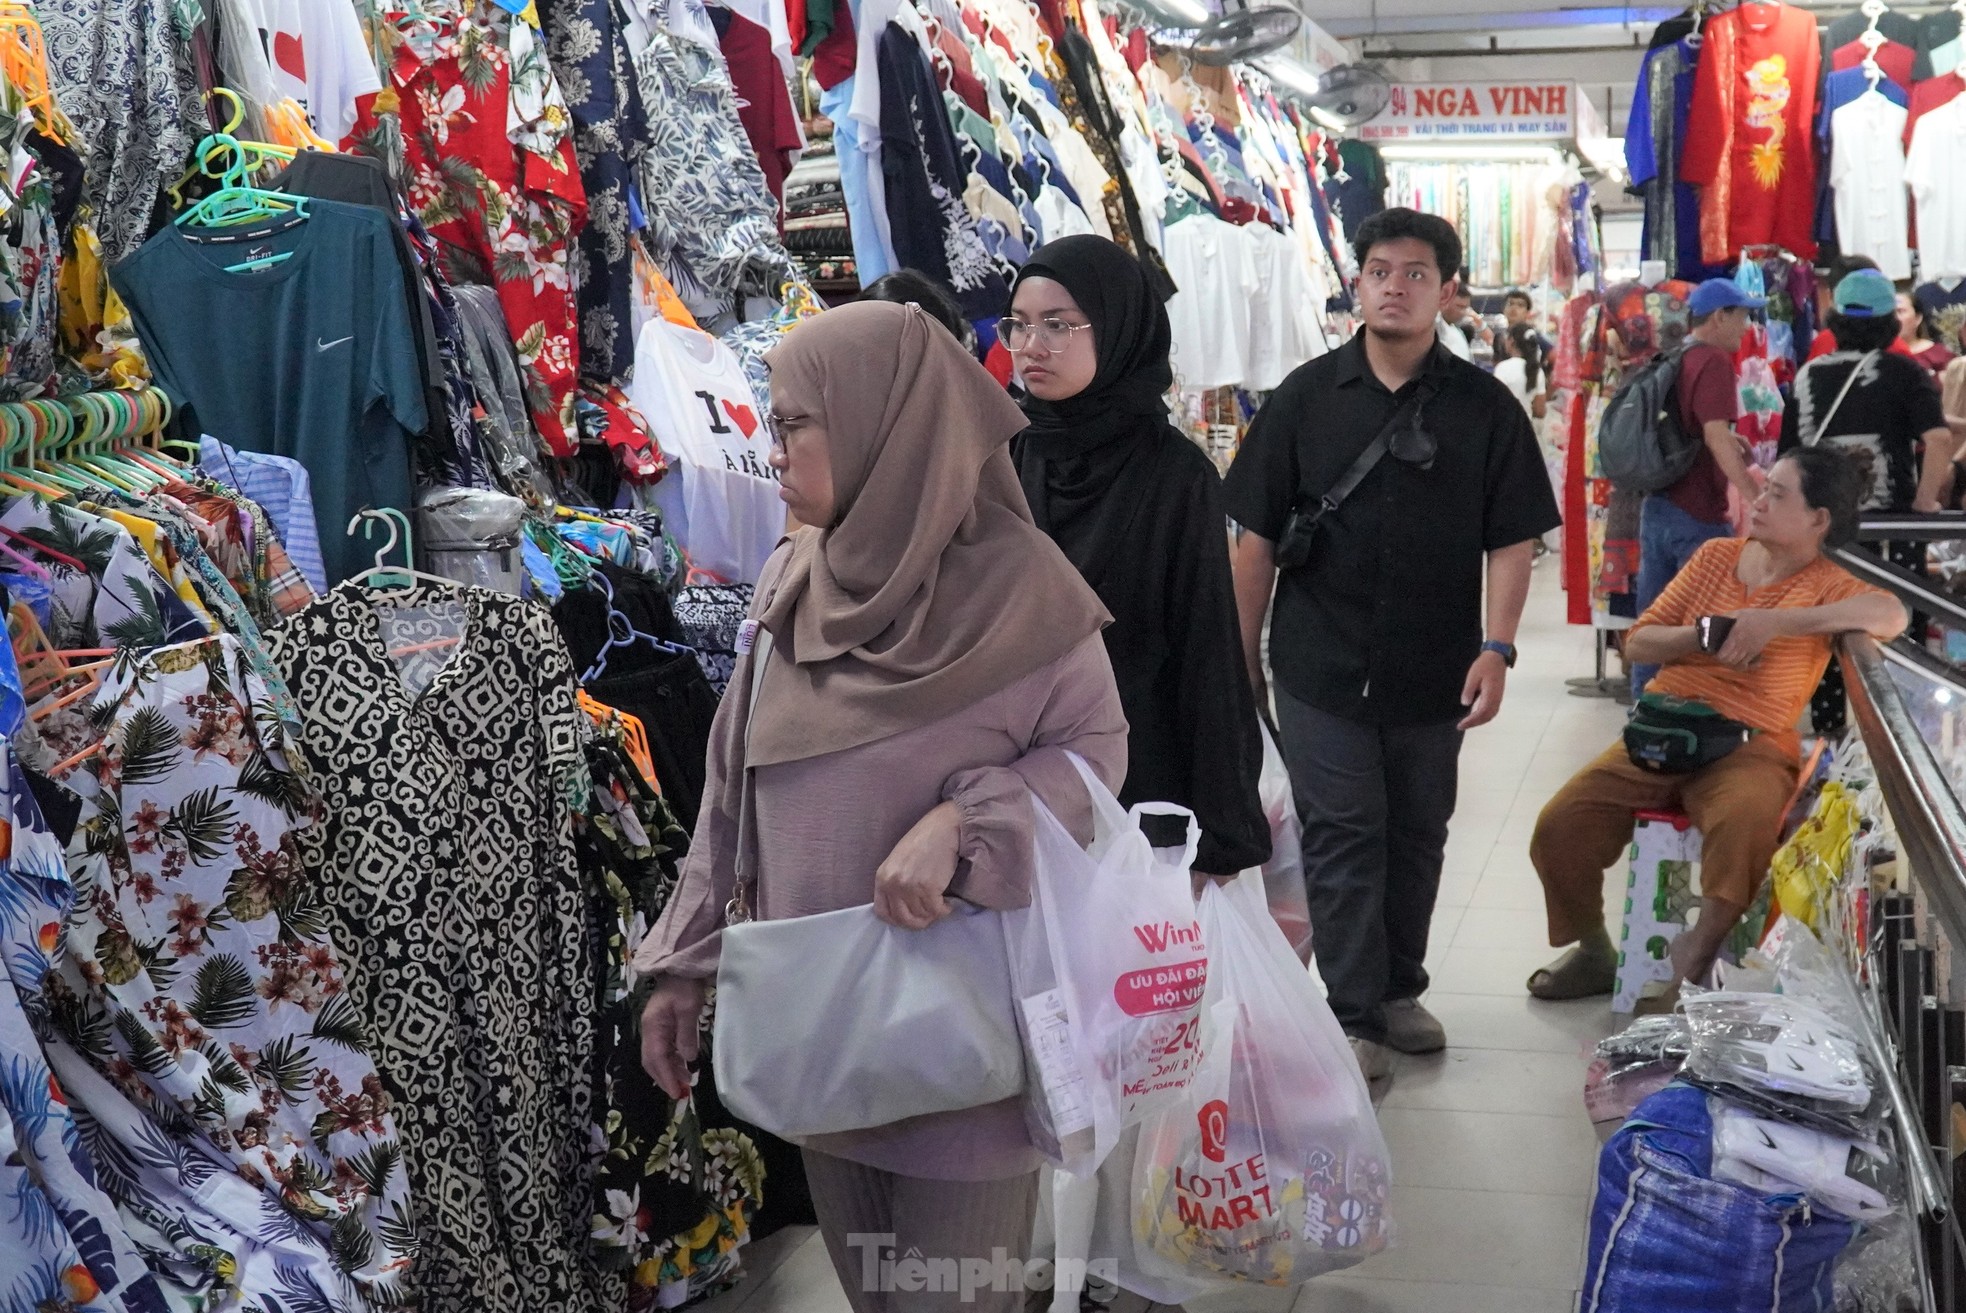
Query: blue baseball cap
point(1866, 294)
point(1720, 294)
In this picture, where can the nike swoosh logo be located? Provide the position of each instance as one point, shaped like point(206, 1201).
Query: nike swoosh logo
point(329, 346)
point(1765, 1138)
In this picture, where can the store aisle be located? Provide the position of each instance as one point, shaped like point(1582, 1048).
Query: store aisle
point(1492, 1154)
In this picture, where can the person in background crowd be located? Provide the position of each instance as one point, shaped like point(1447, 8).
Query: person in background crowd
point(1674, 523)
point(1137, 507)
point(1381, 655)
point(1915, 331)
point(1787, 601)
point(933, 659)
point(1519, 308)
point(1520, 368)
point(1824, 341)
point(912, 287)
point(1460, 327)
point(1879, 406)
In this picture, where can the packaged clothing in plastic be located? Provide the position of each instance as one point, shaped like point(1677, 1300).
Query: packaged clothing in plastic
point(720, 498)
point(1283, 874)
point(1110, 965)
point(1633, 1065)
point(1844, 1175)
point(472, 535)
point(1666, 1237)
point(1783, 1054)
point(1270, 1169)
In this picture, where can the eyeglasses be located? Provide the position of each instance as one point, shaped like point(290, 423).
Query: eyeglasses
point(776, 426)
point(1051, 334)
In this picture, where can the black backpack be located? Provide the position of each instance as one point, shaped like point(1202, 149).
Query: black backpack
point(1641, 445)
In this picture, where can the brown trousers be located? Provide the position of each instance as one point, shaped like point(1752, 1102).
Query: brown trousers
point(902, 1244)
point(1737, 805)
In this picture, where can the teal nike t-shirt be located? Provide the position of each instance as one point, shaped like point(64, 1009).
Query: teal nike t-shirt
point(312, 358)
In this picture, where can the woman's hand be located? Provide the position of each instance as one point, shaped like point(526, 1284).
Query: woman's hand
point(910, 884)
point(670, 1023)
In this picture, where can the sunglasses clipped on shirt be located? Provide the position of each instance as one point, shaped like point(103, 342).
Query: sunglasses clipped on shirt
point(1413, 443)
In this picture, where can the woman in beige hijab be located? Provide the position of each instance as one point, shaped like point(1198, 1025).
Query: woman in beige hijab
point(934, 657)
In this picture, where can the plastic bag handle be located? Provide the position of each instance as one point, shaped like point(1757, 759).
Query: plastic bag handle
point(1109, 819)
point(1193, 847)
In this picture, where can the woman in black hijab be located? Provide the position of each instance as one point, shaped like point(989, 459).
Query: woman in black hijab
point(1138, 509)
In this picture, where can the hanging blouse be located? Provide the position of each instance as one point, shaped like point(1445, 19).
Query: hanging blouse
point(201, 979)
point(66, 1246)
point(446, 871)
point(712, 220)
point(117, 599)
point(596, 73)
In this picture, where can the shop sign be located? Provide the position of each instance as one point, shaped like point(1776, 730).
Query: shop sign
point(1451, 111)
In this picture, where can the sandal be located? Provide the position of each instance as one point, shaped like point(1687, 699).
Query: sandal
point(1577, 974)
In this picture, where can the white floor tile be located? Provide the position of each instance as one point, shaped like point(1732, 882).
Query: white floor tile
point(1491, 1080)
point(1347, 1294)
point(1482, 1238)
point(1491, 1150)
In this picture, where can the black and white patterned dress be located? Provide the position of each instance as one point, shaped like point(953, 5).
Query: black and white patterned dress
point(447, 862)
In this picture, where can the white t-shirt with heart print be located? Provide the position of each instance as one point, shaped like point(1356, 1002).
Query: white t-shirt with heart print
point(720, 498)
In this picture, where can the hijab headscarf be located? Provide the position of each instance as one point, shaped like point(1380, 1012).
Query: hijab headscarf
point(1086, 461)
point(931, 589)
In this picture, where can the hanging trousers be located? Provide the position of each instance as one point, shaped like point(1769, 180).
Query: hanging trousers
point(964, 1233)
point(1737, 805)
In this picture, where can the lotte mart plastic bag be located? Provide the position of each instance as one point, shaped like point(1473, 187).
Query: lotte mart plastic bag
point(1108, 965)
point(1271, 1169)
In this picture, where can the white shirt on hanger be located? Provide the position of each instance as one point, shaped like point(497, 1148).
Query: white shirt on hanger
point(1932, 169)
point(1217, 276)
point(320, 58)
point(1867, 168)
point(720, 497)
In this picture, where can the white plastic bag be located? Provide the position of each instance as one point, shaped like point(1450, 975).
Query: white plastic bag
point(1283, 874)
point(1271, 1169)
point(1108, 966)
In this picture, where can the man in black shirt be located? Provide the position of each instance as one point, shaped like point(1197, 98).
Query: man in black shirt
point(1378, 637)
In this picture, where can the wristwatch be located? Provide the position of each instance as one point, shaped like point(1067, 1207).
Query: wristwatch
point(1505, 650)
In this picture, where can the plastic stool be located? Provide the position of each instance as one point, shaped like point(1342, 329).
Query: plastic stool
point(1661, 889)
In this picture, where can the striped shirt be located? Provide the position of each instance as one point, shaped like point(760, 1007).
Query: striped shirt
point(1770, 695)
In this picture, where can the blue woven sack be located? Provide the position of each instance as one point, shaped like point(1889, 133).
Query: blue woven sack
point(1668, 1238)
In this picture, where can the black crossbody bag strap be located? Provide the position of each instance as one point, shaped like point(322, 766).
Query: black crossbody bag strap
point(1375, 451)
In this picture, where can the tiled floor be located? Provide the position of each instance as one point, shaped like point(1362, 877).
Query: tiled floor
point(1493, 1156)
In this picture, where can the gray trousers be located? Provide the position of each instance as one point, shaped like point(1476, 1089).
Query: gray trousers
point(1374, 802)
point(902, 1244)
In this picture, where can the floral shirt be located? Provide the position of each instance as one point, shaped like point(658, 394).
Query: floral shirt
point(65, 1246)
point(493, 177)
point(201, 982)
point(596, 74)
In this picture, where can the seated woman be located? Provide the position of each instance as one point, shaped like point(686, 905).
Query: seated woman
point(1787, 601)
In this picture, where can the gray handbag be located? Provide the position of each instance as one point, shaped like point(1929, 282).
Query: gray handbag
point(841, 1022)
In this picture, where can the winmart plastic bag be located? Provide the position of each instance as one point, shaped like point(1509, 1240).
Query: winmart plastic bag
point(1271, 1169)
point(1109, 964)
point(1283, 874)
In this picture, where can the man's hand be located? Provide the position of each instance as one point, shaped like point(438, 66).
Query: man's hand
point(910, 884)
point(1926, 505)
point(670, 1024)
point(1488, 678)
point(1750, 634)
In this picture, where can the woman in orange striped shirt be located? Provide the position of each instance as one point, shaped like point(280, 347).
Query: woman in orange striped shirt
point(1787, 601)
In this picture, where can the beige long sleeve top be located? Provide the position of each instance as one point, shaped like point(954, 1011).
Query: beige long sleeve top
point(825, 824)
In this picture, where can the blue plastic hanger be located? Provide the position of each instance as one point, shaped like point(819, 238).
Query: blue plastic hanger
point(622, 633)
